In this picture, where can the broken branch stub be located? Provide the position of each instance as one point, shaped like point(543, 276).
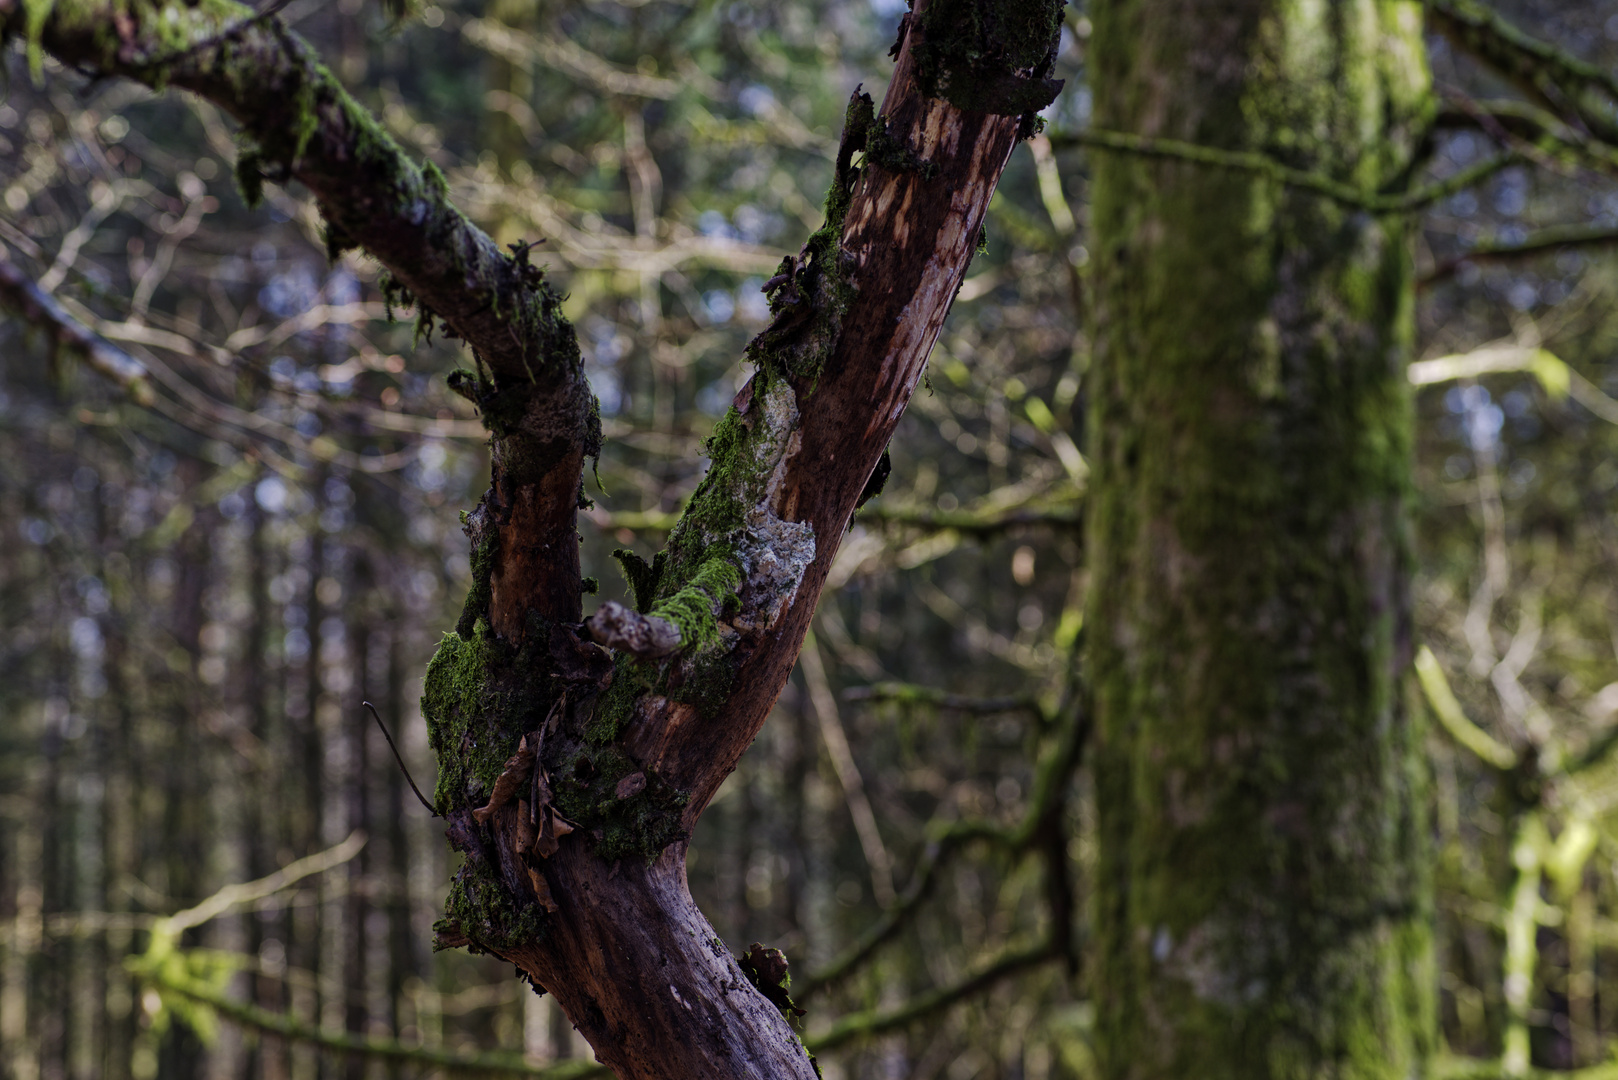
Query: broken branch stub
point(646, 637)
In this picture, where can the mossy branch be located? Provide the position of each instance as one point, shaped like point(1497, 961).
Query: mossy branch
point(1441, 699)
point(1264, 165)
point(913, 694)
point(1562, 82)
point(974, 523)
point(870, 1023)
point(38, 309)
point(1493, 249)
point(1544, 138)
point(302, 125)
point(349, 1044)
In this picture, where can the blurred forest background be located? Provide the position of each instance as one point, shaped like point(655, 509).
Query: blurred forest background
point(202, 579)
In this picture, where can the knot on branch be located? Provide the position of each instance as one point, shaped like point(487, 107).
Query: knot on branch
point(647, 637)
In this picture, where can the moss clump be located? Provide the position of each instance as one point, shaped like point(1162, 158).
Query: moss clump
point(990, 57)
point(464, 715)
point(711, 589)
point(436, 181)
point(715, 580)
point(484, 548)
point(886, 150)
point(642, 823)
point(479, 698)
point(641, 575)
point(481, 907)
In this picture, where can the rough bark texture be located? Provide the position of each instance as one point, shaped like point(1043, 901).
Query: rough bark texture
point(1262, 909)
point(571, 776)
point(632, 961)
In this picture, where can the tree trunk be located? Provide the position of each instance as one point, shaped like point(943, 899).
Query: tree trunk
point(571, 776)
point(1263, 908)
point(634, 760)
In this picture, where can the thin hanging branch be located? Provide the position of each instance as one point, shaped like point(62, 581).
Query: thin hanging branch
point(400, 759)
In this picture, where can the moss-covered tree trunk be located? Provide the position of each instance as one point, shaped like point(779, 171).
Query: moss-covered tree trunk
point(1261, 904)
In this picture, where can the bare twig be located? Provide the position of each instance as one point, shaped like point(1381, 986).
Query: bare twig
point(648, 637)
point(1249, 161)
point(232, 896)
point(400, 759)
point(866, 1024)
point(848, 773)
point(291, 1028)
point(912, 694)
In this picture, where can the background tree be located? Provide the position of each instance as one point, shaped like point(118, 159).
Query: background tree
point(1262, 904)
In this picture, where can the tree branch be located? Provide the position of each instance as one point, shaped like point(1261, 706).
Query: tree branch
point(987, 523)
point(1545, 73)
point(1554, 238)
point(349, 1044)
point(1263, 164)
point(306, 127)
point(39, 309)
point(913, 694)
point(870, 1023)
point(1050, 782)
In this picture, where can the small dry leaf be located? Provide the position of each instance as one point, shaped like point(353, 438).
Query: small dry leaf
point(519, 767)
point(527, 831)
point(542, 890)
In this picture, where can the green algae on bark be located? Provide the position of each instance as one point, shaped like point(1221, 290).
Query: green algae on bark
point(1262, 907)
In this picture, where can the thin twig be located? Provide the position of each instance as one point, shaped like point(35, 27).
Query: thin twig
point(400, 759)
point(34, 306)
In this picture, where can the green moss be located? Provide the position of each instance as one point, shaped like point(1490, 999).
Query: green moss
point(456, 701)
point(249, 174)
point(696, 582)
point(480, 906)
point(886, 150)
point(630, 679)
point(479, 699)
point(692, 608)
point(812, 293)
point(436, 182)
point(337, 241)
point(394, 293)
point(484, 548)
point(643, 824)
point(641, 575)
point(36, 12)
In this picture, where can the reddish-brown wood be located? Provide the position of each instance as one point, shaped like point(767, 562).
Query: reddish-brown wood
point(633, 962)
